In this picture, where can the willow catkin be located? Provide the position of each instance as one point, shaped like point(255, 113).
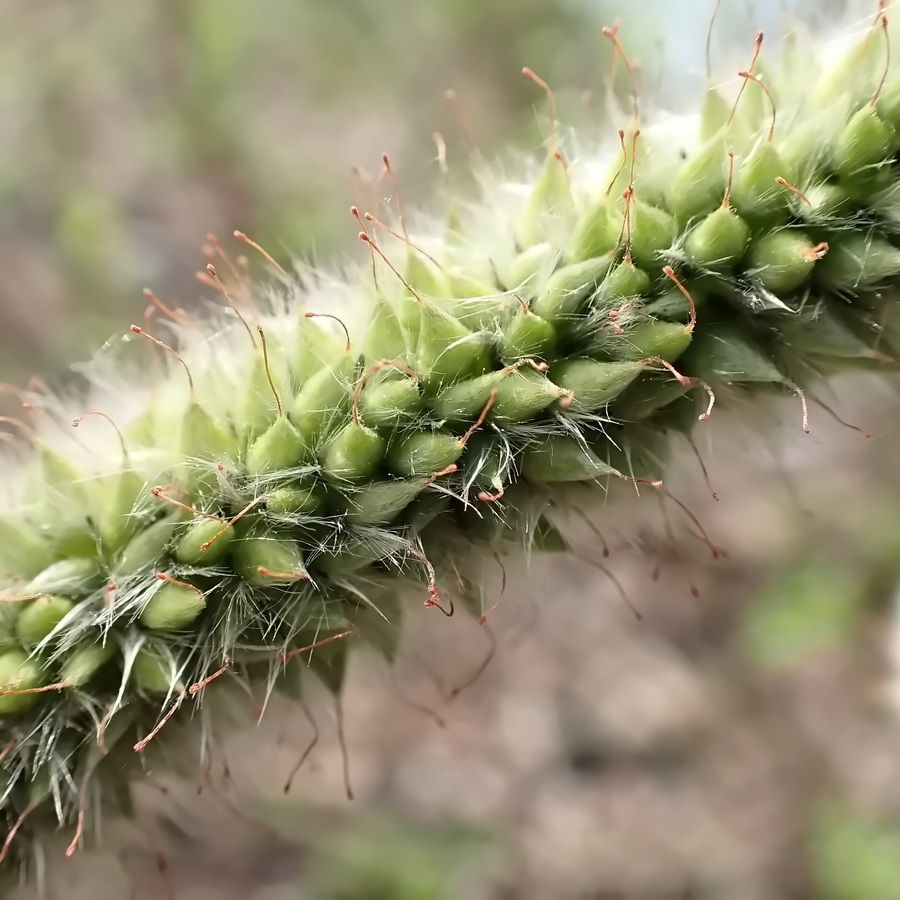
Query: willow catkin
point(286, 462)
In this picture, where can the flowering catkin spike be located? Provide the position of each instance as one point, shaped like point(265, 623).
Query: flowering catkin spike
point(374, 425)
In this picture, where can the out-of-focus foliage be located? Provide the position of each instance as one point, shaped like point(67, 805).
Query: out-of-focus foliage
point(129, 131)
point(808, 610)
point(855, 857)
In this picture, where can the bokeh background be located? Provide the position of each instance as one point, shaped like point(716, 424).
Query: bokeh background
point(742, 742)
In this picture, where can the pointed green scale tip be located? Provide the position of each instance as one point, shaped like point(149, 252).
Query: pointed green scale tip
point(782, 261)
point(75, 576)
point(479, 313)
point(858, 262)
point(386, 337)
point(653, 232)
point(865, 142)
point(355, 553)
point(390, 401)
point(714, 113)
point(40, 617)
point(205, 542)
point(424, 453)
point(114, 500)
point(595, 232)
point(755, 192)
point(425, 277)
point(59, 474)
point(322, 401)
point(569, 288)
point(278, 448)
point(722, 353)
point(717, 242)
point(296, 501)
point(822, 202)
point(550, 198)
point(624, 280)
point(463, 401)
point(269, 561)
point(313, 348)
point(522, 395)
point(530, 265)
point(22, 550)
point(888, 104)
point(19, 672)
point(147, 549)
point(173, 607)
point(527, 336)
point(661, 340)
point(154, 670)
point(519, 394)
point(353, 453)
point(380, 502)
point(448, 351)
point(84, 662)
point(561, 458)
point(202, 437)
point(255, 407)
point(593, 384)
point(700, 184)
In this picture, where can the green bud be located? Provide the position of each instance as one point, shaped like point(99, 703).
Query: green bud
point(424, 453)
point(154, 670)
point(18, 672)
point(21, 549)
point(39, 619)
point(653, 232)
point(84, 662)
point(718, 241)
point(865, 142)
point(529, 265)
point(296, 501)
point(322, 401)
point(594, 384)
point(146, 550)
point(624, 280)
point(173, 607)
point(380, 502)
point(663, 340)
point(279, 447)
point(859, 261)
point(448, 351)
point(192, 549)
point(700, 184)
point(527, 336)
point(79, 575)
point(549, 199)
point(389, 401)
point(268, 561)
point(823, 201)
point(569, 288)
point(355, 553)
point(595, 233)
point(202, 437)
point(353, 453)
point(723, 353)
point(781, 261)
point(386, 336)
point(714, 113)
point(560, 458)
point(755, 193)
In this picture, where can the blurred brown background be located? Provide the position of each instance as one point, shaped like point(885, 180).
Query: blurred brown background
point(737, 745)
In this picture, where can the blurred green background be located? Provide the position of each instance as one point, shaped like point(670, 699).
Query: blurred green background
point(742, 745)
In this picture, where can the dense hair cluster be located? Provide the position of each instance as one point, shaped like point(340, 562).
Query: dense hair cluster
point(275, 478)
